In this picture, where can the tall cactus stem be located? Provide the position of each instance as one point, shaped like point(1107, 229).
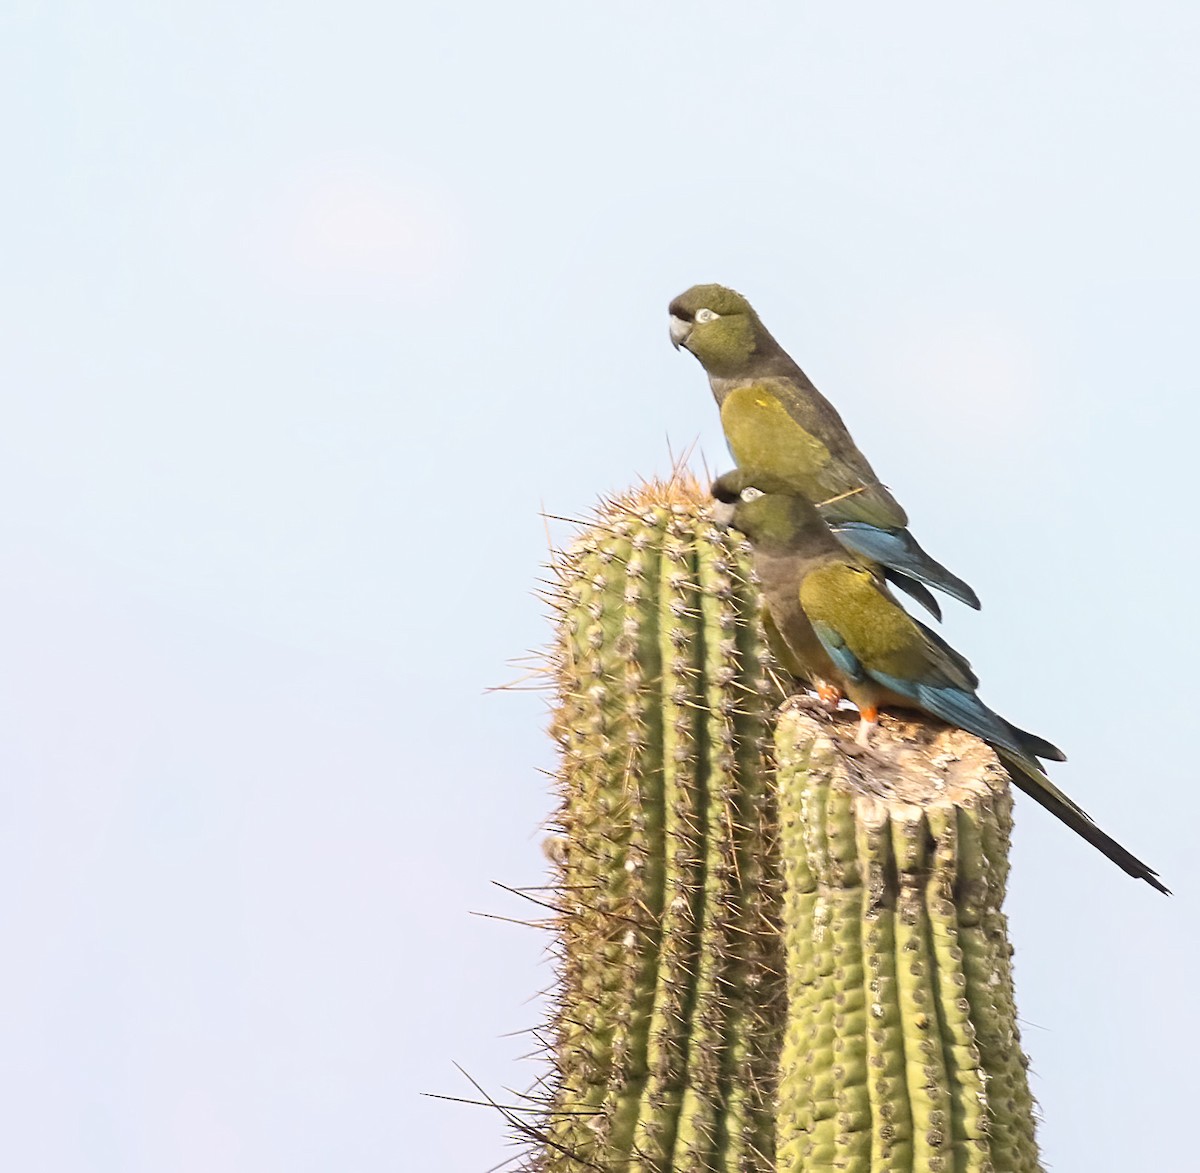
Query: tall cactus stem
point(901, 1050)
point(666, 1031)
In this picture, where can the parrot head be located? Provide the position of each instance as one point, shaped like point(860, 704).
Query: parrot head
point(778, 520)
point(720, 328)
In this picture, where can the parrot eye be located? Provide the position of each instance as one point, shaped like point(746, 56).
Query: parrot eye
point(750, 493)
point(705, 316)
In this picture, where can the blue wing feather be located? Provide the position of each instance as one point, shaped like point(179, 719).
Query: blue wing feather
point(839, 653)
point(897, 549)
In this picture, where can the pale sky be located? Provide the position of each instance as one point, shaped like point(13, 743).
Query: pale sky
point(310, 312)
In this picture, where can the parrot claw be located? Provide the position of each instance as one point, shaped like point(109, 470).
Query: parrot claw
point(830, 696)
point(825, 701)
point(808, 703)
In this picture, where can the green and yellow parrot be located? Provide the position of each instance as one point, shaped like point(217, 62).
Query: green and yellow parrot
point(845, 630)
point(784, 432)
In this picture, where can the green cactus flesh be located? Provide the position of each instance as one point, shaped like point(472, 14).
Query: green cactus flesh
point(901, 1050)
point(798, 968)
point(670, 1009)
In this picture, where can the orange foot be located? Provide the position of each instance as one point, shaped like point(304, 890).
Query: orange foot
point(829, 694)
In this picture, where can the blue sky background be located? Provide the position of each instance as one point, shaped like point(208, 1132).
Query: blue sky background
point(310, 310)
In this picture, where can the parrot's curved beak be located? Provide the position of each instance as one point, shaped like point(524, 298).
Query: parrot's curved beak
point(722, 514)
point(679, 331)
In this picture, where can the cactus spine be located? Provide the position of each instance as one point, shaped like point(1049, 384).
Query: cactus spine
point(682, 1040)
point(670, 1010)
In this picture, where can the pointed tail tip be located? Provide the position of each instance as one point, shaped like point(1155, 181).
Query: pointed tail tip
point(1125, 859)
point(953, 586)
point(1152, 879)
point(1132, 866)
point(936, 575)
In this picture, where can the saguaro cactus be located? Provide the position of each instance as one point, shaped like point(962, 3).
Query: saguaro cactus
point(677, 1042)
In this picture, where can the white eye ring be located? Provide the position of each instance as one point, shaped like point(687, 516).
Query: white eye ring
point(750, 493)
point(703, 316)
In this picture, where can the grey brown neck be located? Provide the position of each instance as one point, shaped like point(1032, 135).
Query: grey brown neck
point(774, 365)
